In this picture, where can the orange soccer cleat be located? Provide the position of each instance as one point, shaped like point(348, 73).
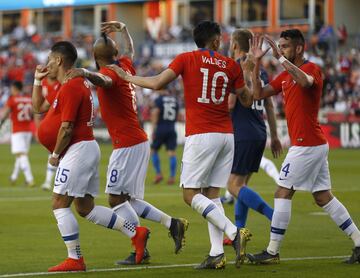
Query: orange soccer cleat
point(158, 179)
point(227, 241)
point(139, 242)
point(69, 265)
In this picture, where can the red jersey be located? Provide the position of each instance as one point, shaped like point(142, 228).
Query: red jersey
point(49, 90)
point(20, 113)
point(208, 79)
point(118, 108)
point(302, 106)
point(73, 103)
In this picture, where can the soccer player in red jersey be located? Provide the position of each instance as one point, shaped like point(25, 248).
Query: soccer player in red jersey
point(67, 132)
point(209, 148)
point(19, 107)
point(49, 87)
point(130, 157)
point(306, 164)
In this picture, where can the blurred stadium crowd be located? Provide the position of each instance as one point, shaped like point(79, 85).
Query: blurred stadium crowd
point(21, 51)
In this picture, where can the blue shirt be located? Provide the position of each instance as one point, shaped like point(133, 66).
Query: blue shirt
point(169, 108)
point(248, 123)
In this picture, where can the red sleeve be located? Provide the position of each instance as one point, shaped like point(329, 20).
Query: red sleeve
point(177, 65)
point(70, 100)
point(276, 83)
point(239, 77)
point(314, 71)
point(9, 102)
point(127, 63)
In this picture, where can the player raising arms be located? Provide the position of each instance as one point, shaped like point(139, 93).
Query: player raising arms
point(306, 164)
point(209, 148)
point(67, 132)
point(18, 106)
point(130, 158)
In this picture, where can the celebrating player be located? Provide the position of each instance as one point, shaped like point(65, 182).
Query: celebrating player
point(130, 157)
point(209, 148)
point(306, 164)
point(67, 132)
point(18, 106)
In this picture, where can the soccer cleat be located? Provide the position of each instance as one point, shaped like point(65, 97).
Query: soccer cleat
point(171, 181)
point(46, 186)
point(227, 241)
point(264, 258)
point(239, 243)
point(139, 242)
point(227, 200)
point(12, 182)
point(69, 265)
point(131, 259)
point(355, 256)
point(30, 184)
point(213, 262)
point(158, 178)
point(177, 231)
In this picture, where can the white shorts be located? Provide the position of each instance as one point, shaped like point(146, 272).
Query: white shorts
point(20, 142)
point(77, 173)
point(207, 160)
point(127, 170)
point(306, 169)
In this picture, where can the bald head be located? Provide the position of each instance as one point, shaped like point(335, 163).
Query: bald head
point(105, 49)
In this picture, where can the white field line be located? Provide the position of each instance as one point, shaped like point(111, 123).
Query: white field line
point(153, 267)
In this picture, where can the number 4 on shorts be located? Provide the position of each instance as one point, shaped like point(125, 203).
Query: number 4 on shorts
point(285, 169)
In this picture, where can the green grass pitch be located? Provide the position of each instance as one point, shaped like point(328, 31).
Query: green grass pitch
point(30, 241)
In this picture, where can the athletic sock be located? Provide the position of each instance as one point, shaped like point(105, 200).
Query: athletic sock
point(216, 235)
point(106, 217)
point(342, 218)
point(173, 162)
point(253, 200)
point(156, 162)
point(50, 172)
point(270, 169)
point(16, 170)
point(69, 230)
point(241, 213)
point(210, 211)
point(126, 211)
point(26, 168)
point(279, 224)
point(148, 211)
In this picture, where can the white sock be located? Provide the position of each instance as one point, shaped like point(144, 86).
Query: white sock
point(210, 211)
point(69, 230)
point(26, 168)
point(126, 211)
point(279, 224)
point(270, 169)
point(228, 195)
point(16, 170)
point(342, 218)
point(148, 211)
point(50, 172)
point(107, 218)
point(216, 235)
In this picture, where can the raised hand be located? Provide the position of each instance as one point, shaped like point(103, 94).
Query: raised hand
point(275, 49)
point(122, 74)
point(73, 73)
point(40, 72)
point(256, 47)
point(112, 26)
point(248, 63)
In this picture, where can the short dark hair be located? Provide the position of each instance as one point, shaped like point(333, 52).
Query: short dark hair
point(204, 32)
point(17, 84)
point(242, 37)
point(67, 50)
point(294, 35)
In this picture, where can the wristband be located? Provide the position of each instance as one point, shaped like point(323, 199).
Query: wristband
point(55, 155)
point(282, 59)
point(37, 82)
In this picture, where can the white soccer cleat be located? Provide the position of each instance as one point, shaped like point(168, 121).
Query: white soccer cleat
point(46, 186)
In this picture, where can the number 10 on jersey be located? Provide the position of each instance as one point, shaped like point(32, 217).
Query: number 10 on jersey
point(204, 97)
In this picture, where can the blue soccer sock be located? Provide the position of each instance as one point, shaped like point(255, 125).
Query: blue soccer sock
point(172, 166)
point(156, 162)
point(253, 200)
point(241, 213)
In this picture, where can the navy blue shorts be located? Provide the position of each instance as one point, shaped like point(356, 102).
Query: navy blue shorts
point(247, 156)
point(168, 138)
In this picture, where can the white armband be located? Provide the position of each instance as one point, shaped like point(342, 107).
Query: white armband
point(37, 82)
point(282, 59)
point(55, 155)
